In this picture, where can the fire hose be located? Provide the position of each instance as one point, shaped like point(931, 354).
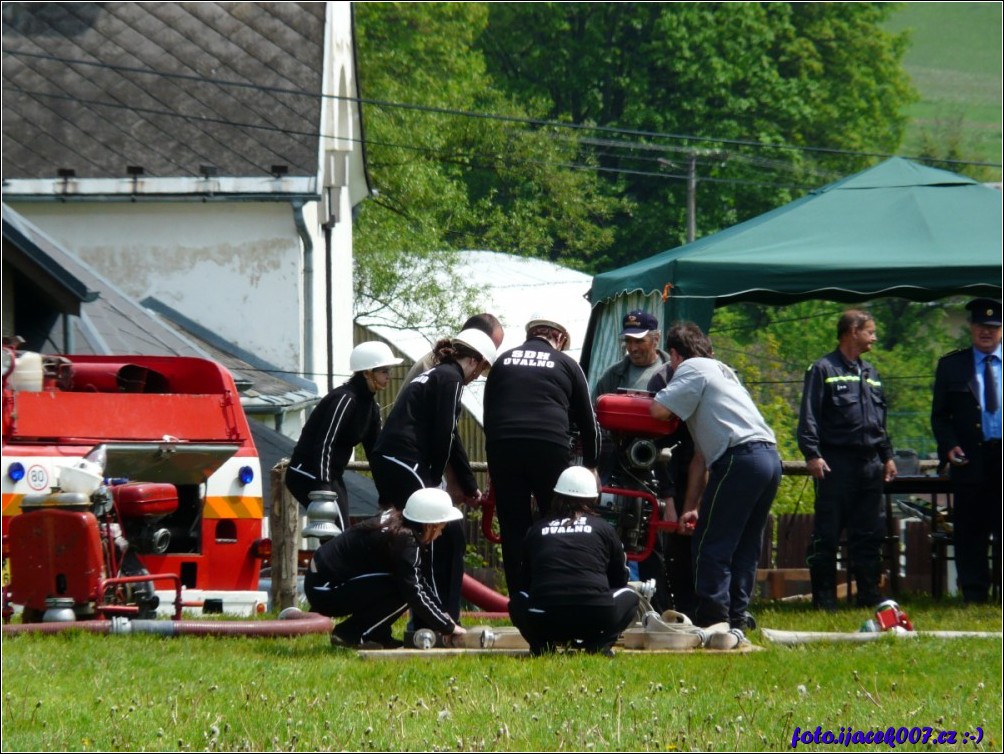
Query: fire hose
point(291, 622)
point(496, 605)
point(794, 638)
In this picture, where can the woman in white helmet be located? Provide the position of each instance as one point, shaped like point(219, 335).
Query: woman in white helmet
point(575, 574)
point(374, 572)
point(345, 417)
point(420, 439)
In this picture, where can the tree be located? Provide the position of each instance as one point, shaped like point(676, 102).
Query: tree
point(735, 84)
point(449, 179)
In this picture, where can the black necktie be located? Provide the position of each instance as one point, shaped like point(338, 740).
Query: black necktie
point(989, 385)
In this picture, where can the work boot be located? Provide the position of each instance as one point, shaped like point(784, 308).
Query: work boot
point(867, 579)
point(338, 639)
point(824, 588)
point(745, 622)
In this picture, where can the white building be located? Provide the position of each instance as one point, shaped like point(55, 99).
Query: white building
point(203, 157)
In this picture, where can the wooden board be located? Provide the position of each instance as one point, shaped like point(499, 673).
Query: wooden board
point(509, 643)
point(404, 654)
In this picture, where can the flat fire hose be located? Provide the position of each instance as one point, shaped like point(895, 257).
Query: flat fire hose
point(674, 630)
point(793, 638)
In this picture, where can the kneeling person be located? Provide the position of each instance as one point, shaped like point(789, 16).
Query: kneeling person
point(374, 572)
point(574, 574)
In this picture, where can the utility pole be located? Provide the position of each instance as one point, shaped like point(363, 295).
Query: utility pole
point(691, 156)
point(691, 197)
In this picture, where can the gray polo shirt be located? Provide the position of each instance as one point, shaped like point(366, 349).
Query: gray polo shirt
point(718, 410)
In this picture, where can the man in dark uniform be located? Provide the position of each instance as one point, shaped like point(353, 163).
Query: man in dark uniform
point(842, 434)
point(533, 395)
point(966, 420)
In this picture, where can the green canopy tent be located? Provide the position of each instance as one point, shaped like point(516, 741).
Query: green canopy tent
point(898, 229)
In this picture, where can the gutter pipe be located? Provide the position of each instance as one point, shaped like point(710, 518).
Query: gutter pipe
point(308, 287)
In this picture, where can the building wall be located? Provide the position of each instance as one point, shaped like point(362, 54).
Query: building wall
point(231, 267)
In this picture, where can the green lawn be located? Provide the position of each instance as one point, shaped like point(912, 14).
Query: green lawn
point(79, 692)
point(954, 60)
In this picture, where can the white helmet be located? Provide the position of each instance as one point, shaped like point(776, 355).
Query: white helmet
point(479, 342)
point(372, 354)
point(543, 319)
point(431, 505)
point(577, 481)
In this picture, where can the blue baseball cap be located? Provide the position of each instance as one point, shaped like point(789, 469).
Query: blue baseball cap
point(638, 324)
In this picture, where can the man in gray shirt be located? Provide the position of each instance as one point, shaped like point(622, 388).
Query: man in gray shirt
point(740, 453)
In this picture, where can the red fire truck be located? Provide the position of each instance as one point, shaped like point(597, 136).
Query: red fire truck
point(126, 479)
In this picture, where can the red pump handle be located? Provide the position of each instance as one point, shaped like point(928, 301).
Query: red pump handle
point(487, 514)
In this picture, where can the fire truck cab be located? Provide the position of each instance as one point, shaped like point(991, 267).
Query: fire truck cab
point(180, 475)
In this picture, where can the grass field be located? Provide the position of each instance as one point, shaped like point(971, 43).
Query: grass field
point(954, 60)
point(80, 692)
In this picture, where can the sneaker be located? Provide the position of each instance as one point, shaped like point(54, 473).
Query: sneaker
point(340, 642)
point(387, 642)
point(746, 622)
point(726, 639)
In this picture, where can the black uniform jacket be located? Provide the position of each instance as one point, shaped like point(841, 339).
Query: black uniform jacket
point(842, 408)
point(535, 392)
point(422, 426)
point(956, 415)
point(345, 417)
point(369, 548)
point(573, 563)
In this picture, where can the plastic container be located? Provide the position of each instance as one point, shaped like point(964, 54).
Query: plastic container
point(28, 374)
point(84, 478)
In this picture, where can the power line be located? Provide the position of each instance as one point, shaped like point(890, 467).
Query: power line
point(478, 115)
point(486, 160)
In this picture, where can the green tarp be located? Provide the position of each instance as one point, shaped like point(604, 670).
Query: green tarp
point(899, 229)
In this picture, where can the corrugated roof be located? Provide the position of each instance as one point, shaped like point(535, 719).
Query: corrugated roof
point(109, 323)
point(95, 87)
point(34, 268)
